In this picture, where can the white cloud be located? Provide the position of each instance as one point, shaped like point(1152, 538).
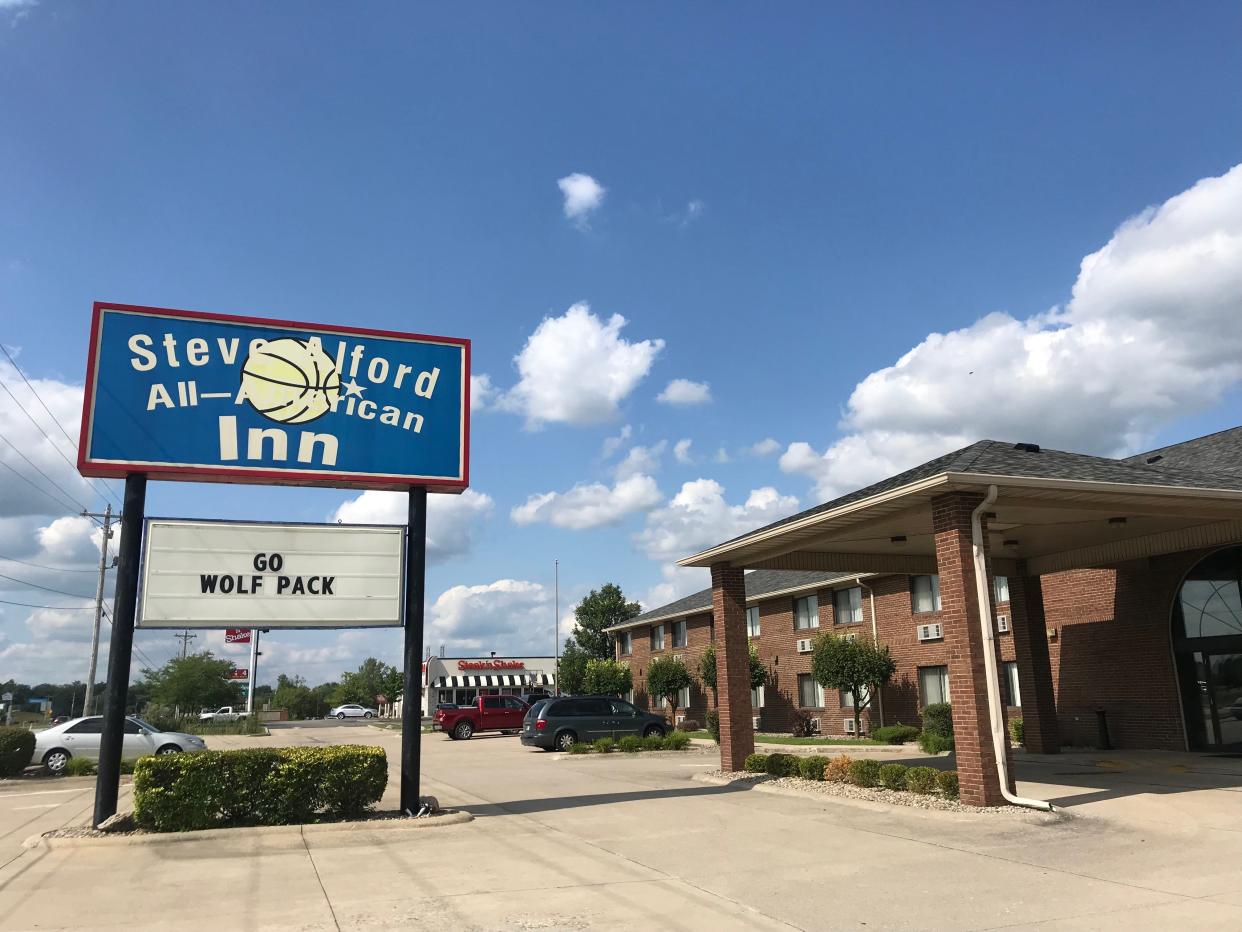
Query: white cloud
point(764, 447)
point(677, 582)
point(453, 521)
point(721, 456)
point(685, 392)
point(1149, 335)
point(612, 444)
point(509, 616)
point(583, 195)
point(482, 392)
point(681, 451)
point(590, 506)
point(576, 368)
point(641, 460)
point(698, 517)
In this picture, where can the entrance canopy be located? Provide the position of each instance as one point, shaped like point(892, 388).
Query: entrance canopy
point(484, 680)
point(1055, 510)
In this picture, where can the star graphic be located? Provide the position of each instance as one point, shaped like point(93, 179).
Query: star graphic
point(352, 388)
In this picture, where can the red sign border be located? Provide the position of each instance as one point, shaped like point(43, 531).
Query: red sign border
point(113, 470)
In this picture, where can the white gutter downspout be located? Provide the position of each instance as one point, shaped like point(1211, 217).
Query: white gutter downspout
point(875, 639)
point(996, 715)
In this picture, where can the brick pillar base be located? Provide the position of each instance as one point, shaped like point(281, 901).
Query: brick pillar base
point(737, 735)
point(959, 613)
point(1041, 733)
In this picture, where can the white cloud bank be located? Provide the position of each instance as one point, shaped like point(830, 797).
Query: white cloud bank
point(683, 392)
point(590, 505)
point(1150, 334)
point(453, 521)
point(511, 616)
point(583, 195)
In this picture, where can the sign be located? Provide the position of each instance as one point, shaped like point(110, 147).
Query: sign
point(214, 398)
point(491, 665)
point(237, 636)
point(217, 574)
point(239, 673)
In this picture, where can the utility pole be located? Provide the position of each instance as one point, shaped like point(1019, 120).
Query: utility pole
point(186, 637)
point(99, 594)
point(254, 670)
point(556, 607)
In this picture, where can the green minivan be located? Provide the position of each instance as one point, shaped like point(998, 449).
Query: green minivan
point(555, 724)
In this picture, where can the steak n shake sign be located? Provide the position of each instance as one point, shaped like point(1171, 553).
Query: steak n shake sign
point(216, 574)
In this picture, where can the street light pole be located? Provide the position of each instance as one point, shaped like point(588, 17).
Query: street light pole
point(556, 607)
point(99, 594)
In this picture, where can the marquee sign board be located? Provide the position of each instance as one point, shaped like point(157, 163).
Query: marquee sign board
point(239, 673)
point(215, 398)
point(217, 574)
point(237, 636)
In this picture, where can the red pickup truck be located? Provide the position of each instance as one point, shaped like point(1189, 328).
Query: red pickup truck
point(489, 713)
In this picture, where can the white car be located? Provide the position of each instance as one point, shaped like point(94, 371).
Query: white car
point(352, 710)
point(80, 737)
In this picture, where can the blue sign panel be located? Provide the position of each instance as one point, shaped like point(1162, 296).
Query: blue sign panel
point(208, 397)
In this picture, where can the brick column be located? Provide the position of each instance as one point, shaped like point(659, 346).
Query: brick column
point(737, 735)
point(1030, 645)
point(959, 613)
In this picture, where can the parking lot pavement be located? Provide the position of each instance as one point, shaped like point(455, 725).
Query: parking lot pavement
point(563, 842)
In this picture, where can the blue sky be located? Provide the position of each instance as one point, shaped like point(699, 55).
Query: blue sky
point(783, 206)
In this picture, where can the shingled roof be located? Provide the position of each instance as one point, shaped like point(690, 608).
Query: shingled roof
point(1219, 454)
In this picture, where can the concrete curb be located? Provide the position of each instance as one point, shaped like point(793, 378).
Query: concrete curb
point(289, 832)
point(828, 750)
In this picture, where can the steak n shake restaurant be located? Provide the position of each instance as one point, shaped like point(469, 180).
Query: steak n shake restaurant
point(1058, 582)
point(460, 680)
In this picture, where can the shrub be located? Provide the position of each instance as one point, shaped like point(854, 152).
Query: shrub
point(938, 719)
point(127, 765)
point(653, 743)
point(895, 734)
point(604, 745)
point(276, 786)
point(79, 767)
point(630, 744)
point(893, 776)
point(756, 763)
point(1017, 731)
point(803, 725)
point(688, 724)
point(947, 781)
point(921, 780)
point(782, 765)
point(812, 768)
point(838, 769)
point(676, 741)
point(865, 772)
point(16, 750)
point(713, 725)
point(581, 747)
point(935, 744)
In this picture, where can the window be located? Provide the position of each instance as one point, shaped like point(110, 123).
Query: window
point(131, 727)
point(683, 698)
point(756, 698)
point(847, 698)
point(1013, 695)
point(752, 621)
point(1000, 588)
point(925, 593)
point(89, 726)
point(493, 702)
point(847, 606)
point(679, 634)
point(513, 702)
point(810, 693)
point(657, 637)
point(625, 643)
point(806, 612)
point(624, 709)
point(629, 695)
point(933, 685)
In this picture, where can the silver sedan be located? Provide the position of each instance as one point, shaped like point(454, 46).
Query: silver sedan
point(352, 710)
point(80, 737)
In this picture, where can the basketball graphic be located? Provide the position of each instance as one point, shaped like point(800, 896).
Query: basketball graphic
point(290, 381)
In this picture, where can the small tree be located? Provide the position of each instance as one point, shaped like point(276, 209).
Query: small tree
point(666, 678)
point(707, 667)
point(571, 671)
point(858, 666)
point(192, 681)
point(602, 608)
point(363, 685)
point(607, 677)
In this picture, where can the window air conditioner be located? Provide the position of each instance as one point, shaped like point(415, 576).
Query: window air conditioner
point(815, 729)
point(754, 722)
point(1002, 624)
point(931, 632)
point(680, 658)
point(848, 725)
point(852, 636)
point(804, 645)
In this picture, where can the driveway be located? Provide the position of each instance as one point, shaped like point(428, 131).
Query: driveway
point(562, 842)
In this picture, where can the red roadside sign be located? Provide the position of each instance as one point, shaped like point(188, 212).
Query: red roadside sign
point(239, 673)
point(236, 635)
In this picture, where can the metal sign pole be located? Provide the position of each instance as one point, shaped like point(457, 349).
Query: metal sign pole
point(411, 702)
point(253, 671)
point(107, 784)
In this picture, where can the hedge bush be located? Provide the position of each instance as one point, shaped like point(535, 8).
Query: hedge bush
point(922, 780)
point(838, 769)
point(756, 763)
point(713, 725)
point(895, 734)
point(630, 744)
point(688, 724)
point(653, 743)
point(79, 767)
point(268, 786)
point(604, 745)
point(947, 781)
point(938, 719)
point(1017, 731)
point(16, 750)
point(581, 747)
point(676, 741)
point(812, 768)
point(783, 765)
point(935, 744)
point(865, 772)
point(893, 776)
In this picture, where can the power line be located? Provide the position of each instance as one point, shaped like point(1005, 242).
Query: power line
point(55, 484)
point(44, 566)
point(23, 582)
point(61, 608)
point(71, 509)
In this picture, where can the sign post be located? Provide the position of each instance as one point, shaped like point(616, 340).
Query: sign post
point(191, 396)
